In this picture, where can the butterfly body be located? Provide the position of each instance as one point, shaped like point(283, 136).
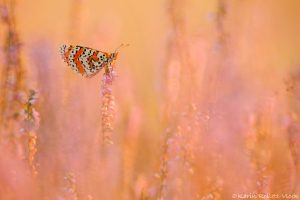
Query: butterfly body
point(86, 61)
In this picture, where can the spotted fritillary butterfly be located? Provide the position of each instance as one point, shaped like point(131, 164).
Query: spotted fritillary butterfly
point(87, 61)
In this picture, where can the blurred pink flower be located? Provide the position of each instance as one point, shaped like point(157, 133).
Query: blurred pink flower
point(4, 13)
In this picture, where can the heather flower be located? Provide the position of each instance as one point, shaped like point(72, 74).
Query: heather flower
point(12, 82)
point(108, 104)
point(4, 13)
point(71, 187)
point(32, 117)
point(31, 123)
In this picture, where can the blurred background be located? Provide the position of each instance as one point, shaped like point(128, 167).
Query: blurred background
point(205, 105)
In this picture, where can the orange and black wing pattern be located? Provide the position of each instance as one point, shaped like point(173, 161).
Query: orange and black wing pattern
point(84, 60)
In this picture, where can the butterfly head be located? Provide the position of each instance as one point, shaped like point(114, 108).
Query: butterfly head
point(113, 56)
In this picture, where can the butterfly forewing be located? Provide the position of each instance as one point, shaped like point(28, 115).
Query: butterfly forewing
point(84, 60)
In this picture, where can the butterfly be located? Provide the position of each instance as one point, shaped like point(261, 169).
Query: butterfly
point(86, 61)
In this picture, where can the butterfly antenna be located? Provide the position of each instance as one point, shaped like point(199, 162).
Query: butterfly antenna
point(122, 45)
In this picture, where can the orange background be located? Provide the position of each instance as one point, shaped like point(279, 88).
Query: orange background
point(206, 100)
